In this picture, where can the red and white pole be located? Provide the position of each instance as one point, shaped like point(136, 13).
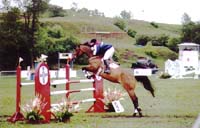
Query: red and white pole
point(17, 116)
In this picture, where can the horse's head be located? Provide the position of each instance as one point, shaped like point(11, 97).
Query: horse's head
point(81, 49)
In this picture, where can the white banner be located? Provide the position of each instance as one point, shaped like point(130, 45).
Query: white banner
point(142, 72)
point(117, 106)
point(65, 55)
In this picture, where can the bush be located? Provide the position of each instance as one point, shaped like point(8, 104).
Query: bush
point(131, 33)
point(51, 46)
point(154, 24)
point(142, 40)
point(151, 54)
point(165, 76)
point(56, 11)
point(121, 24)
point(160, 41)
point(160, 52)
point(173, 44)
point(55, 31)
point(155, 43)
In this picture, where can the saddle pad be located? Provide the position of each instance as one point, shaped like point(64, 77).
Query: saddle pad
point(113, 65)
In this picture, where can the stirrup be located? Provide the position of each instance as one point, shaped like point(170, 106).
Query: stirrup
point(107, 71)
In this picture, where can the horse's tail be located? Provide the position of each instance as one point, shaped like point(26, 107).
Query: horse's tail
point(146, 82)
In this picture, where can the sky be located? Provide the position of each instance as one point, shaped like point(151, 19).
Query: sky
point(160, 11)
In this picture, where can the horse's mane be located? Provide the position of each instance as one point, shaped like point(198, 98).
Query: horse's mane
point(89, 46)
point(96, 57)
point(85, 43)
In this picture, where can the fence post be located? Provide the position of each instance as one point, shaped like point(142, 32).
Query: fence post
point(42, 88)
point(17, 116)
point(67, 68)
point(98, 105)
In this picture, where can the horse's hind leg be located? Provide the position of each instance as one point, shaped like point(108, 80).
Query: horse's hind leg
point(137, 108)
point(129, 83)
point(136, 104)
point(134, 99)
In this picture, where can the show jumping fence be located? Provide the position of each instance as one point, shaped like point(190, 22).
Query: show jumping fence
point(42, 87)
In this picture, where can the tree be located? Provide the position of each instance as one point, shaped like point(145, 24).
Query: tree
point(56, 11)
point(6, 5)
point(125, 15)
point(51, 39)
point(187, 34)
point(74, 6)
point(84, 11)
point(31, 10)
point(191, 32)
point(186, 19)
point(13, 42)
point(173, 44)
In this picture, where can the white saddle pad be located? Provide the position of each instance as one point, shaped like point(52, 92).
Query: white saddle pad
point(113, 65)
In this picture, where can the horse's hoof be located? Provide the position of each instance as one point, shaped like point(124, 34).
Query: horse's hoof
point(89, 77)
point(83, 69)
point(54, 86)
point(140, 114)
point(134, 114)
point(139, 109)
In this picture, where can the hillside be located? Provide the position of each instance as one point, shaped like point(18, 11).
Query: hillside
point(126, 50)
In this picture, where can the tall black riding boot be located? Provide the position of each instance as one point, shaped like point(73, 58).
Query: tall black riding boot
point(107, 70)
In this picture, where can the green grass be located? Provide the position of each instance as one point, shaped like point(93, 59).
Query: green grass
point(176, 105)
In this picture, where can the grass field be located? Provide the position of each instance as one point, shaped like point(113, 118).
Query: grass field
point(176, 105)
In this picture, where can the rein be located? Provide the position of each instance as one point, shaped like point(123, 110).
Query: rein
point(85, 48)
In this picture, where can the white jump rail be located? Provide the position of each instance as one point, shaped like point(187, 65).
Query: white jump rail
point(64, 81)
point(70, 91)
point(76, 102)
point(28, 84)
point(88, 100)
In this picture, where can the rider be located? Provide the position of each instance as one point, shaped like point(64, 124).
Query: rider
point(107, 50)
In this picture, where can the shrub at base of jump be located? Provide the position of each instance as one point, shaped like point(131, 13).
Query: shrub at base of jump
point(64, 116)
point(110, 96)
point(63, 110)
point(34, 118)
point(110, 108)
point(33, 110)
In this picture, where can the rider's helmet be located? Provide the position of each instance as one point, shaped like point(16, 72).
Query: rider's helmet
point(92, 42)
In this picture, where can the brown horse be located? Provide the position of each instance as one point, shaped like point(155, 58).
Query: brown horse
point(118, 75)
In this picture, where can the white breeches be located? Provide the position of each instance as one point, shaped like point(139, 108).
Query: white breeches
point(109, 53)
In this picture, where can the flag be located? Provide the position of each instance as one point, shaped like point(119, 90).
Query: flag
point(43, 57)
point(20, 59)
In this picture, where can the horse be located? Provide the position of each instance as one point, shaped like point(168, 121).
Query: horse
point(117, 75)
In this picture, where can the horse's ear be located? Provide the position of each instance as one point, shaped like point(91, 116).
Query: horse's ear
point(86, 43)
point(77, 46)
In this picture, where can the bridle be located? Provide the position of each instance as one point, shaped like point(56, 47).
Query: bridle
point(78, 52)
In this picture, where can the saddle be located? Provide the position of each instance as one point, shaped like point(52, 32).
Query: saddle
point(112, 64)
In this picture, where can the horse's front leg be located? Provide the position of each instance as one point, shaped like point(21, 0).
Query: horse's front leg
point(86, 71)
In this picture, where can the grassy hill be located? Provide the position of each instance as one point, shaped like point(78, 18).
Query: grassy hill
point(126, 50)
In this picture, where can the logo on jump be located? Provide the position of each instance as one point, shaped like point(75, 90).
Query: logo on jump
point(43, 75)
